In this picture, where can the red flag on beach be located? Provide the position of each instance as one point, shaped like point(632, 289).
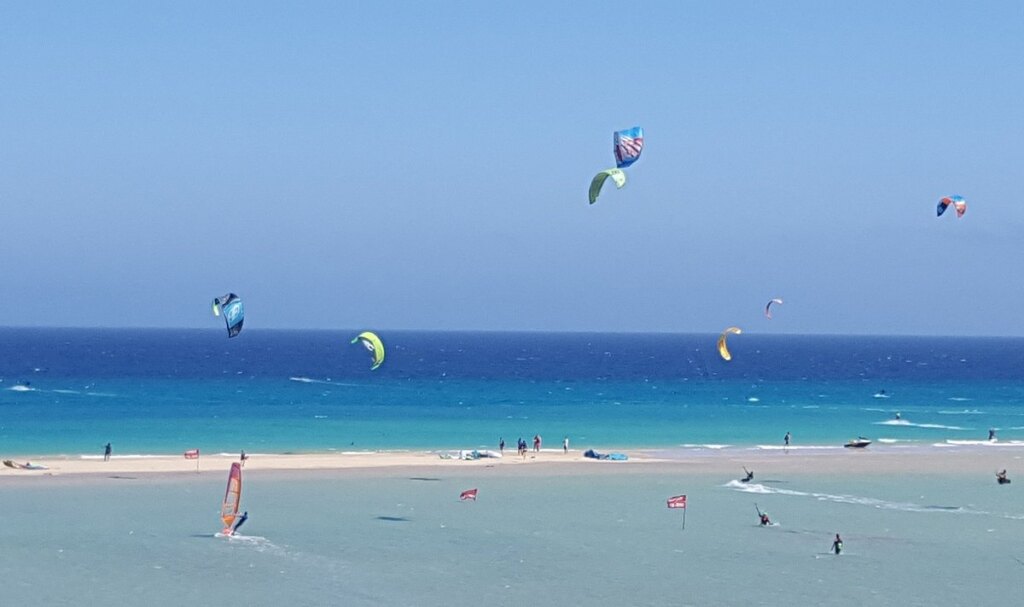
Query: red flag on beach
point(468, 494)
point(678, 501)
point(192, 454)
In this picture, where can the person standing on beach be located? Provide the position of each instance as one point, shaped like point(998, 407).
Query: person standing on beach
point(243, 457)
point(837, 546)
point(536, 443)
point(786, 441)
point(501, 445)
point(106, 453)
point(565, 445)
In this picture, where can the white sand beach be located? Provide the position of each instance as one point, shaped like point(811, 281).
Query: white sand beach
point(881, 461)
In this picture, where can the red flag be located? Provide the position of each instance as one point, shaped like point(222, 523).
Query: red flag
point(468, 494)
point(192, 454)
point(678, 501)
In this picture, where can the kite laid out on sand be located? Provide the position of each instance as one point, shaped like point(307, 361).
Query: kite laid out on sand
point(230, 306)
point(722, 349)
point(372, 343)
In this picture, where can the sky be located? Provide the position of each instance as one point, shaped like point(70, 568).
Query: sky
point(425, 165)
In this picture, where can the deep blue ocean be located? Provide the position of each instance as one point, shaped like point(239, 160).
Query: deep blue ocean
point(70, 391)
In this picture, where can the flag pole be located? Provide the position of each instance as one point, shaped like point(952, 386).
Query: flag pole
point(684, 519)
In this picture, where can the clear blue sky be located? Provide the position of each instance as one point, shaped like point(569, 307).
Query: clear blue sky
point(398, 165)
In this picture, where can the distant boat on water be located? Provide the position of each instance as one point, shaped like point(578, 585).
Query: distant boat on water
point(858, 443)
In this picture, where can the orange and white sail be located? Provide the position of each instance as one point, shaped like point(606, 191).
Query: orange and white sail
point(232, 497)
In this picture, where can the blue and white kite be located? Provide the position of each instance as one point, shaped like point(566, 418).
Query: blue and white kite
point(628, 145)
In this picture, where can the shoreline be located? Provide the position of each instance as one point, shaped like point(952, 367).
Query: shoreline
point(885, 460)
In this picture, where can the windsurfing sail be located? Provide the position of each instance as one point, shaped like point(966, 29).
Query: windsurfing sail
point(723, 351)
point(628, 145)
point(768, 308)
point(598, 182)
point(958, 203)
point(230, 306)
point(232, 498)
point(372, 343)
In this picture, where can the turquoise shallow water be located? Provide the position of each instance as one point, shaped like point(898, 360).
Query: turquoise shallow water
point(401, 538)
point(167, 391)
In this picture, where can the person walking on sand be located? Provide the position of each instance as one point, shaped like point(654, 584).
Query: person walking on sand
point(837, 545)
point(106, 453)
point(536, 443)
point(565, 445)
point(501, 445)
point(243, 457)
point(785, 441)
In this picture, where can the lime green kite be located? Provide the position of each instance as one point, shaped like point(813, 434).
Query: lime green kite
point(595, 186)
point(372, 343)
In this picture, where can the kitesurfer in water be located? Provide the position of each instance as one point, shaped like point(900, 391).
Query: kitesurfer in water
point(991, 434)
point(241, 521)
point(837, 545)
point(1001, 477)
point(765, 521)
point(750, 475)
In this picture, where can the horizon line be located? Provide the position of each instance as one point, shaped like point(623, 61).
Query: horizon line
point(505, 331)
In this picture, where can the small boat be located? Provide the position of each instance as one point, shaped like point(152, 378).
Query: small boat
point(858, 443)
